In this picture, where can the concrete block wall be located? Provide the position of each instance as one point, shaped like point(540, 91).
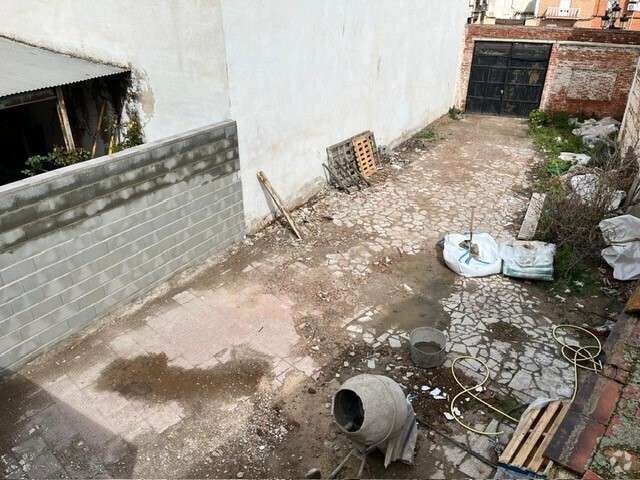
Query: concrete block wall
point(81, 241)
point(579, 59)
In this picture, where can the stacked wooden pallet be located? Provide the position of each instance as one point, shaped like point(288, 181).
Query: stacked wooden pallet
point(353, 161)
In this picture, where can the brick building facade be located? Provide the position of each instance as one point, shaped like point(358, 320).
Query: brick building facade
point(583, 13)
point(589, 71)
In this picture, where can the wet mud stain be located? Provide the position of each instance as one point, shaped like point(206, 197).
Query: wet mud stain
point(150, 377)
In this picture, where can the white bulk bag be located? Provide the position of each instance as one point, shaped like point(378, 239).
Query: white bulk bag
point(528, 259)
point(458, 259)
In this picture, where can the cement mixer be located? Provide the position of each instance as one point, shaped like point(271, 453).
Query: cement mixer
point(373, 412)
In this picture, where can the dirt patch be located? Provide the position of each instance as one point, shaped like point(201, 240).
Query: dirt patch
point(411, 288)
point(505, 332)
point(266, 429)
point(152, 378)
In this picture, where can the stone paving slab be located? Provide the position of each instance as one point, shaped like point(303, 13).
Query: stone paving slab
point(574, 442)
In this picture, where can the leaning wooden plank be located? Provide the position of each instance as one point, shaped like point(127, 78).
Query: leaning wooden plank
point(64, 121)
point(97, 135)
point(334, 175)
point(532, 217)
point(538, 459)
point(278, 201)
point(348, 175)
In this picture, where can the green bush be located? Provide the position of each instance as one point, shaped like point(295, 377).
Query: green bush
point(132, 137)
point(455, 113)
point(59, 157)
point(560, 120)
point(539, 117)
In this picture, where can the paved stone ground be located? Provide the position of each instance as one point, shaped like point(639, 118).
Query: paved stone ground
point(228, 370)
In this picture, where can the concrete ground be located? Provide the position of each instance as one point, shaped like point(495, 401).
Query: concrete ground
point(228, 369)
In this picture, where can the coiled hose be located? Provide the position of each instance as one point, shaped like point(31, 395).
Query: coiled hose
point(585, 357)
point(580, 356)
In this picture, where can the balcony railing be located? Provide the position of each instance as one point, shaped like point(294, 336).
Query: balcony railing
point(558, 12)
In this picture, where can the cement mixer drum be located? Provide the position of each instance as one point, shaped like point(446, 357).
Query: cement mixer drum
point(372, 410)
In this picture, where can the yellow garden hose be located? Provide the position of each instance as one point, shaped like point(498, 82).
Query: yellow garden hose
point(471, 391)
point(584, 357)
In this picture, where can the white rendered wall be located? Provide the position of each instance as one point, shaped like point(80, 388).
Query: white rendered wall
point(175, 49)
point(296, 75)
point(305, 74)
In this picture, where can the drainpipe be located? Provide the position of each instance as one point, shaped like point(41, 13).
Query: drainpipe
point(535, 15)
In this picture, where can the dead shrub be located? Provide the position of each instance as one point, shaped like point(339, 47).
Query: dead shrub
point(570, 220)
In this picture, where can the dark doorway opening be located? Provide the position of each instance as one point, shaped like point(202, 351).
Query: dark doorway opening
point(27, 130)
point(30, 122)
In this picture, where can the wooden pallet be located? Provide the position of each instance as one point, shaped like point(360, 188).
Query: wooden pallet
point(343, 163)
point(363, 149)
point(533, 436)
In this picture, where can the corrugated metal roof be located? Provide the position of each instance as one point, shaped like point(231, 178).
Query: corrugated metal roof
point(24, 68)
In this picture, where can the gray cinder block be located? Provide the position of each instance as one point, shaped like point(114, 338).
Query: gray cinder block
point(96, 236)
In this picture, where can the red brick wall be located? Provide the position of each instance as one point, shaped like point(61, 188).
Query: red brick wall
point(588, 76)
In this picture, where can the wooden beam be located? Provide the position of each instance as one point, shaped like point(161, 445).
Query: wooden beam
point(97, 135)
point(278, 201)
point(64, 121)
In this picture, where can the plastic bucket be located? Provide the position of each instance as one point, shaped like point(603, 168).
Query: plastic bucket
point(428, 347)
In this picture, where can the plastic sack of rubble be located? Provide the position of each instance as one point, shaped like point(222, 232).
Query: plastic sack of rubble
point(527, 259)
point(599, 128)
point(460, 260)
point(623, 233)
point(577, 160)
point(587, 187)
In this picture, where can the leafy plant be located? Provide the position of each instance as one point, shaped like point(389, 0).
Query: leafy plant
point(560, 120)
point(573, 274)
point(59, 157)
point(455, 113)
point(552, 135)
point(132, 136)
point(539, 117)
point(555, 166)
point(428, 134)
